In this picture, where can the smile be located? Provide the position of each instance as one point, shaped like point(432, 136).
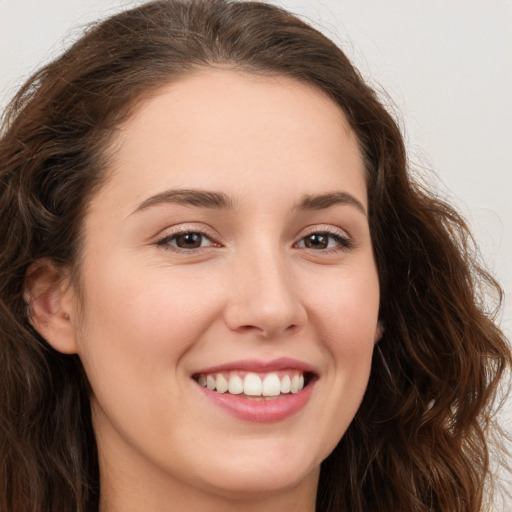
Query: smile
point(254, 385)
point(256, 391)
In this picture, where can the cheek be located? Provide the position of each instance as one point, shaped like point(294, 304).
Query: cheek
point(346, 319)
point(349, 310)
point(145, 312)
point(348, 322)
point(136, 328)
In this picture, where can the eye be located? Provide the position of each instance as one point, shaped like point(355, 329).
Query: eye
point(324, 240)
point(186, 240)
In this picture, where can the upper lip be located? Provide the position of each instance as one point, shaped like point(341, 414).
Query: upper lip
point(260, 366)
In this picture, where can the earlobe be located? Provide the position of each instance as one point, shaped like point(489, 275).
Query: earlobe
point(50, 303)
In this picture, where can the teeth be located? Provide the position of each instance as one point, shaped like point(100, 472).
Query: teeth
point(236, 385)
point(286, 384)
point(271, 385)
point(210, 382)
point(252, 384)
point(221, 383)
point(294, 388)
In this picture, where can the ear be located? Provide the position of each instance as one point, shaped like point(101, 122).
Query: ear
point(52, 305)
point(379, 331)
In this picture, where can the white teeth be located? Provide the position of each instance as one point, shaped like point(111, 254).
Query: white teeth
point(221, 383)
point(286, 384)
point(236, 385)
point(294, 388)
point(271, 385)
point(252, 385)
point(210, 382)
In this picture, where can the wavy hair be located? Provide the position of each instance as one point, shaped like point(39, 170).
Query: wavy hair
point(419, 441)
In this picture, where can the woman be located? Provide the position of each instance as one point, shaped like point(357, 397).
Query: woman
point(220, 288)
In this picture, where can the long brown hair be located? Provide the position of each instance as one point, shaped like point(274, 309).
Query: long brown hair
point(419, 439)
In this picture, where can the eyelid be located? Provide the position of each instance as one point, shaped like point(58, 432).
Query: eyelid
point(329, 229)
point(164, 236)
point(325, 228)
point(174, 231)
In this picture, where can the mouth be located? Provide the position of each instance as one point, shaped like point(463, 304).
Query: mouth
point(257, 391)
point(256, 385)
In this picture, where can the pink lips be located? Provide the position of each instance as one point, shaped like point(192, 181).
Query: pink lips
point(257, 366)
point(261, 410)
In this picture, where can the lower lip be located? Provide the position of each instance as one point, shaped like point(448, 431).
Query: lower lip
point(261, 411)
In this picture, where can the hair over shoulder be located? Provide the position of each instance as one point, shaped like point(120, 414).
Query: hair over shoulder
point(419, 441)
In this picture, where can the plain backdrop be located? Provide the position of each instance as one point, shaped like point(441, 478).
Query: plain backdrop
point(444, 67)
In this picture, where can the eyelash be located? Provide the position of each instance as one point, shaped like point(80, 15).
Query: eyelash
point(165, 242)
point(343, 242)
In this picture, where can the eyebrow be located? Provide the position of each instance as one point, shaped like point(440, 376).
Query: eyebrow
point(322, 201)
point(220, 200)
point(188, 197)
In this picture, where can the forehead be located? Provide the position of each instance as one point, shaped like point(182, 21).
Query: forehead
point(221, 128)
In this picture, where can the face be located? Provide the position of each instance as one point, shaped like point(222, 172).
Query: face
point(230, 294)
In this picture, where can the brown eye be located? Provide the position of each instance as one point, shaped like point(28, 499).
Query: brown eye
point(186, 240)
point(189, 240)
point(317, 241)
point(323, 240)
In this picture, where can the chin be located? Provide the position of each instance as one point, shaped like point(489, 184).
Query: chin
point(258, 484)
point(261, 477)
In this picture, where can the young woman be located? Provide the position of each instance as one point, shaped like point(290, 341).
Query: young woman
point(221, 290)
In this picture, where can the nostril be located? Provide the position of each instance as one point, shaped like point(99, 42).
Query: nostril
point(268, 330)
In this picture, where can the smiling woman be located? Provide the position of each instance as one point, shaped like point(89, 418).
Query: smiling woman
point(225, 275)
point(220, 288)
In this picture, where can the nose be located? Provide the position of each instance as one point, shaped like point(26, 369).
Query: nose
point(265, 298)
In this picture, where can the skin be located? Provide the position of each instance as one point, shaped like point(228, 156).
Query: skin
point(149, 313)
